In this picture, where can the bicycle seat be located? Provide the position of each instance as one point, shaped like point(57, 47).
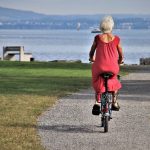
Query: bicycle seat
point(107, 75)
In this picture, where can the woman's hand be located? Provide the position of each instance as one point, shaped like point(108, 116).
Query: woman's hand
point(92, 59)
point(120, 62)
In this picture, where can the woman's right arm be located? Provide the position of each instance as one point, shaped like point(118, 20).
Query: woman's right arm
point(120, 52)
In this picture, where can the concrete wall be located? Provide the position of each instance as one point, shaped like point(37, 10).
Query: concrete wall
point(10, 52)
point(144, 61)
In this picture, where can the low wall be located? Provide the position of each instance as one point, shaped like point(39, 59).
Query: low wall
point(144, 61)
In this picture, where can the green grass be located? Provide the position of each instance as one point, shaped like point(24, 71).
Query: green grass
point(26, 90)
point(43, 78)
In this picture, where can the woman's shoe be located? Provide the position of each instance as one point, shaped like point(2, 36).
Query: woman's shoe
point(115, 106)
point(96, 109)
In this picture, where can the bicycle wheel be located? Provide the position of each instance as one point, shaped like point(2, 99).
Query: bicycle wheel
point(106, 124)
point(110, 106)
point(102, 121)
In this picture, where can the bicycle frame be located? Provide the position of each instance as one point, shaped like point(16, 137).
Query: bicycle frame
point(106, 103)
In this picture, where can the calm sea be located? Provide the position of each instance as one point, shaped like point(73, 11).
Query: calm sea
point(47, 45)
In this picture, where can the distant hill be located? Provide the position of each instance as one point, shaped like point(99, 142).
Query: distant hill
point(18, 19)
point(7, 14)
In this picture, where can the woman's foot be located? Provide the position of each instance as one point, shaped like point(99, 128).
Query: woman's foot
point(115, 106)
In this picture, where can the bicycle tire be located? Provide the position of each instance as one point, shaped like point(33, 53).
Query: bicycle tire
point(110, 106)
point(106, 123)
point(102, 122)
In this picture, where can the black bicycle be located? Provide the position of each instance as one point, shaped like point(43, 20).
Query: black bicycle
point(106, 102)
point(105, 107)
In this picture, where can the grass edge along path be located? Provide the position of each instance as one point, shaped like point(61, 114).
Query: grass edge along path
point(26, 90)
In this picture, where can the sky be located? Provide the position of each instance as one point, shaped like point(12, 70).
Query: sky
point(68, 7)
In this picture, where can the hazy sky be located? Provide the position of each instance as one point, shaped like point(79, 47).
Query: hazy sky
point(80, 6)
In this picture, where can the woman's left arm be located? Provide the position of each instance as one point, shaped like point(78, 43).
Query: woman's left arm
point(92, 51)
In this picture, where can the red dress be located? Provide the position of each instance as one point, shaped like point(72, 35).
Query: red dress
point(106, 60)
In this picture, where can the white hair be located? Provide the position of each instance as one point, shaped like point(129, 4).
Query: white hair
point(107, 24)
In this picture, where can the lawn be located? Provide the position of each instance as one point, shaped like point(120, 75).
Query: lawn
point(26, 90)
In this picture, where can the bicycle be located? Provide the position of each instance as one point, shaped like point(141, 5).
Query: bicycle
point(105, 108)
point(106, 102)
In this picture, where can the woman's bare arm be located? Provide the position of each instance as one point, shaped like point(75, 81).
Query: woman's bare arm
point(120, 52)
point(92, 51)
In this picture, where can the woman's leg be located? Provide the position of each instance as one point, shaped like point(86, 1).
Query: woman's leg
point(114, 100)
point(114, 96)
point(97, 97)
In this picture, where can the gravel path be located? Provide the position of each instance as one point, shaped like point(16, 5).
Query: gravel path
point(70, 125)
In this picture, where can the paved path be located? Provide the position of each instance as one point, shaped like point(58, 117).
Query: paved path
point(71, 126)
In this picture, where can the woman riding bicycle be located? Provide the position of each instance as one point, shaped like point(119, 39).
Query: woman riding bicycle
point(106, 55)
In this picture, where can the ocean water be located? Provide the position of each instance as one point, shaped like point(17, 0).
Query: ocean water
point(48, 45)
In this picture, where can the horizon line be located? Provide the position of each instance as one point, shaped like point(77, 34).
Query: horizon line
point(74, 14)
